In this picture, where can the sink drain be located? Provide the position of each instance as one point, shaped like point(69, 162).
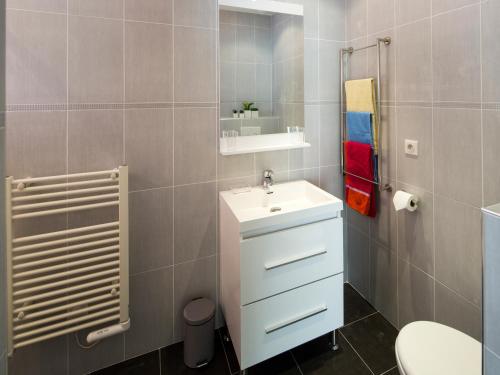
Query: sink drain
point(275, 209)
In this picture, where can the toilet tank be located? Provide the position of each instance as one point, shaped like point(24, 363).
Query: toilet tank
point(491, 290)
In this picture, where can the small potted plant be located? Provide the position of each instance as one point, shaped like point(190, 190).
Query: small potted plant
point(255, 112)
point(247, 107)
point(242, 114)
point(235, 113)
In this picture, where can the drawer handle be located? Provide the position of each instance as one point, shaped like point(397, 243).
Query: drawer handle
point(295, 319)
point(293, 259)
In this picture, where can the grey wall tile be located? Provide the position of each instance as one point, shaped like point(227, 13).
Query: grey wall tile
point(387, 65)
point(95, 60)
point(154, 11)
point(359, 261)
point(95, 140)
point(96, 8)
point(329, 134)
point(331, 19)
point(415, 123)
point(195, 12)
point(245, 44)
point(36, 144)
point(331, 180)
point(33, 359)
point(458, 248)
point(36, 58)
point(490, 29)
point(379, 15)
point(195, 65)
point(410, 10)
point(311, 67)
point(358, 62)
point(360, 222)
point(151, 296)
point(491, 140)
point(356, 19)
point(195, 140)
point(383, 281)
point(329, 70)
point(151, 230)
point(195, 216)
point(84, 361)
point(388, 130)
point(454, 311)
point(311, 18)
point(227, 42)
point(311, 175)
point(456, 56)
point(413, 62)
point(457, 154)
point(416, 231)
point(383, 228)
point(38, 5)
point(245, 82)
point(192, 280)
point(416, 294)
point(148, 62)
point(263, 46)
point(308, 157)
point(274, 160)
point(149, 147)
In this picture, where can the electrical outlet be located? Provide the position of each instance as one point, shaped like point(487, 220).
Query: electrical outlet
point(411, 147)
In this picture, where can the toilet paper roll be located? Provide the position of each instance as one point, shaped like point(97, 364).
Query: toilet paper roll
point(403, 200)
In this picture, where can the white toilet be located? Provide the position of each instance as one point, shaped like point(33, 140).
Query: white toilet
point(428, 348)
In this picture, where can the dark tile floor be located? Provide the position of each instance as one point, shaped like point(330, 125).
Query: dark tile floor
point(366, 346)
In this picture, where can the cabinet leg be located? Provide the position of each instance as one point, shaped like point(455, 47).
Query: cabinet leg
point(244, 372)
point(335, 345)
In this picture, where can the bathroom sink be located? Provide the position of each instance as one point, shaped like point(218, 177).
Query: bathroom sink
point(294, 203)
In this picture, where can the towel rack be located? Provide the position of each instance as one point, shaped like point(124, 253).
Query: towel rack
point(59, 282)
point(348, 52)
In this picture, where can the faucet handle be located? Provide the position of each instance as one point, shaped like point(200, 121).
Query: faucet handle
point(268, 173)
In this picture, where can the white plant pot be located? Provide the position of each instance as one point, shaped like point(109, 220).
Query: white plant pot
point(241, 115)
point(255, 114)
point(248, 114)
point(235, 115)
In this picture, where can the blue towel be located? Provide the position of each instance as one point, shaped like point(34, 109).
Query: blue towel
point(360, 127)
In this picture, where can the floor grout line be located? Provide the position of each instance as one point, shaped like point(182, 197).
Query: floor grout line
point(355, 351)
point(296, 363)
point(221, 339)
point(358, 320)
point(388, 371)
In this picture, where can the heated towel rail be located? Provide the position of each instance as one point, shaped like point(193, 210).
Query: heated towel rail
point(348, 52)
point(59, 282)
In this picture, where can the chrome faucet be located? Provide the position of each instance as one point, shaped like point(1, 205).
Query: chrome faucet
point(267, 181)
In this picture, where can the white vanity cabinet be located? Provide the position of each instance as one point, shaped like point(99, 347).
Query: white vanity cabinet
point(281, 273)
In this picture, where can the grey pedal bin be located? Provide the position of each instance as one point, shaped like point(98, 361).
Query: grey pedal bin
point(199, 326)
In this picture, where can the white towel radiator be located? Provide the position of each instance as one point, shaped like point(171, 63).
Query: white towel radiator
point(64, 281)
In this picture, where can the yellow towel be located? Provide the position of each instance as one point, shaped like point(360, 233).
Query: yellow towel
point(361, 97)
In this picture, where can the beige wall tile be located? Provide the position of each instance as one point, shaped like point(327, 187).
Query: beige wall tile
point(96, 8)
point(149, 148)
point(458, 248)
point(36, 58)
point(38, 5)
point(195, 140)
point(152, 11)
point(491, 142)
point(148, 62)
point(95, 60)
point(195, 12)
point(95, 140)
point(195, 65)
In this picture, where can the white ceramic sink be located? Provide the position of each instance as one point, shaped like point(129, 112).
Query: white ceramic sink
point(292, 203)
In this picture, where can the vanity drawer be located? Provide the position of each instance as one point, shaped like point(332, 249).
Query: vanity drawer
point(282, 322)
point(276, 262)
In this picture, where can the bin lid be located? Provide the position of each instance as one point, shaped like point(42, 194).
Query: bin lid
point(199, 311)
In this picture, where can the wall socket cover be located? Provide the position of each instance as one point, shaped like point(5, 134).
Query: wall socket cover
point(411, 147)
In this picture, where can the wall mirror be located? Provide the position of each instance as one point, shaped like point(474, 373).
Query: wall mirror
point(261, 57)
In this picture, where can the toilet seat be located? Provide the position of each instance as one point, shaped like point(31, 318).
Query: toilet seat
point(428, 348)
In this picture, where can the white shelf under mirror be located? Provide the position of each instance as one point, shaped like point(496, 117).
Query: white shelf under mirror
point(259, 143)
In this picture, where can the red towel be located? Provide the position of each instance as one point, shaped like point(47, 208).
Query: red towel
point(360, 194)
